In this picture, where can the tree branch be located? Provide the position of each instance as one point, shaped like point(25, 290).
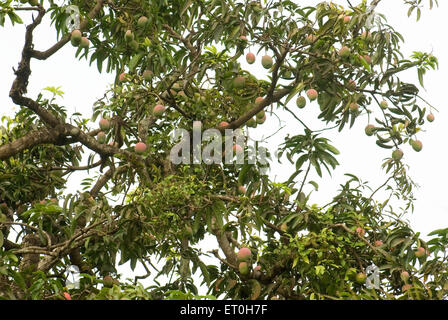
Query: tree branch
point(271, 96)
point(104, 179)
point(31, 139)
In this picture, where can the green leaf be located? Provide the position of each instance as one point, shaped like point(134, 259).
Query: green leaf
point(235, 31)
point(365, 64)
point(316, 166)
point(14, 18)
point(296, 90)
point(440, 232)
point(319, 270)
point(315, 185)
point(332, 149)
point(301, 161)
point(19, 280)
point(420, 73)
point(382, 145)
point(12, 257)
point(243, 174)
point(204, 270)
point(294, 263)
point(305, 259)
point(135, 60)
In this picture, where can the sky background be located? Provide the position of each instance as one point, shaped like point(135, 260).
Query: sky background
point(83, 85)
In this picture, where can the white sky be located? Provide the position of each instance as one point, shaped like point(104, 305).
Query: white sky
point(359, 154)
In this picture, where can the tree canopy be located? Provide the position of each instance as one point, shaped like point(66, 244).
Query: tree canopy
point(180, 65)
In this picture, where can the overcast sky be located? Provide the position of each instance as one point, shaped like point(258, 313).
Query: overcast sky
point(359, 154)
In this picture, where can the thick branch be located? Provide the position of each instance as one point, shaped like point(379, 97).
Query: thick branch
point(56, 135)
point(104, 179)
point(46, 116)
point(30, 227)
point(185, 41)
point(33, 138)
point(23, 72)
point(225, 246)
point(9, 245)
